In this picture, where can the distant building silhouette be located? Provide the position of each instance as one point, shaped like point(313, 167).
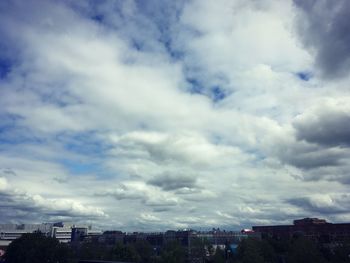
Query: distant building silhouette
point(312, 228)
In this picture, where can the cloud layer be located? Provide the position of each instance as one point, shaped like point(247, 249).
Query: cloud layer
point(157, 115)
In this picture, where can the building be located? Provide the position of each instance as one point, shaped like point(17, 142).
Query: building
point(312, 228)
point(86, 234)
point(10, 232)
point(61, 231)
point(63, 234)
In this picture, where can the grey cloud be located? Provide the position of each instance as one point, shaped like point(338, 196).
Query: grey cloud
point(142, 193)
point(158, 202)
point(330, 128)
point(8, 172)
point(122, 192)
point(169, 181)
point(316, 162)
point(325, 28)
point(31, 206)
point(308, 156)
point(196, 195)
point(315, 158)
point(142, 91)
point(321, 147)
point(161, 209)
point(335, 173)
point(322, 204)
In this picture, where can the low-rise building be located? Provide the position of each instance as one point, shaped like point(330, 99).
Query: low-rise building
point(312, 228)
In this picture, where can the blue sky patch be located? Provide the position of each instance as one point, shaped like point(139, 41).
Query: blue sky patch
point(195, 86)
point(305, 76)
point(5, 67)
point(97, 18)
point(217, 94)
point(78, 168)
point(84, 143)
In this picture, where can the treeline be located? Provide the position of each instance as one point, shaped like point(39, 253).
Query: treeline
point(295, 250)
point(37, 248)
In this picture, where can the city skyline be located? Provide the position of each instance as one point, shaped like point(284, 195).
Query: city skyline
point(174, 114)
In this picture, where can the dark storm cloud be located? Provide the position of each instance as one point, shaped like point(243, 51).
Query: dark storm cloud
point(329, 128)
point(325, 29)
point(173, 181)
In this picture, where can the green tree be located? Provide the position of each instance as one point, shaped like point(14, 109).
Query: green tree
point(249, 252)
point(145, 250)
point(125, 253)
point(252, 250)
point(302, 250)
point(341, 254)
point(198, 249)
point(267, 252)
point(36, 248)
point(173, 252)
point(219, 256)
point(91, 251)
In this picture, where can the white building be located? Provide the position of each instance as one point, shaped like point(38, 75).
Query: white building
point(60, 231)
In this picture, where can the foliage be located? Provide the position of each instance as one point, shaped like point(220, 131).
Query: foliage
point(340, 254)
point(302, 250)
point(219, 256)
point(91, 251)
point(198, 248)
point(249, 251)
point(126, 253)
point(36, 248)
point(173, 252)
point(145, 250)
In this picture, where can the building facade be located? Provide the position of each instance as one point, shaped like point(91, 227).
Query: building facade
point(318, 230)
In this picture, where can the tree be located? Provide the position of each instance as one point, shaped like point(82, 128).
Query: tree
point(252, 250)
point(145, 250)
point(36, 248)
point(219, 256)
point(302, 250)
point(198, 249)
point(125, 253)
point(96, 251)
point(249, 251)
point(173, 252)
point(341, 254)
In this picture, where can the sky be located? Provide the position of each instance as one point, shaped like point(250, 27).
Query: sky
point(160, 114)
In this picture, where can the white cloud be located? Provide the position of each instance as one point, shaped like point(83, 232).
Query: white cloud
point(196, 120)
point(3, 183)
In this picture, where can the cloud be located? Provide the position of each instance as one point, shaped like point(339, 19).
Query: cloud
point(323, 204)
point(14, 199)
point(307, 156)
point(324, 29)
point(325, 124)
point(139, 191)
point(173, 181)
point(185, 148)
point(157, 113)
point(3, 184)
point(318, 142)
